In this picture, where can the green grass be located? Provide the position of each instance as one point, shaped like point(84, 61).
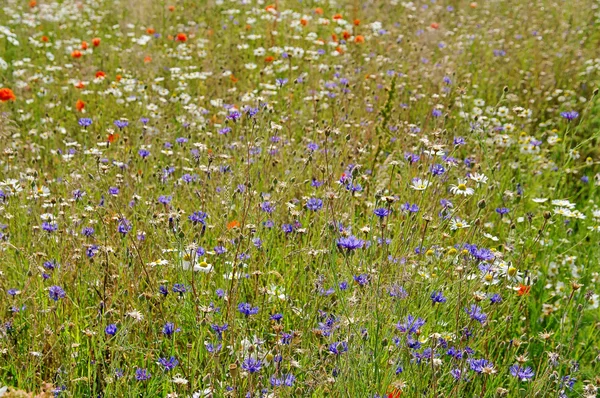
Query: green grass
point(500, 74)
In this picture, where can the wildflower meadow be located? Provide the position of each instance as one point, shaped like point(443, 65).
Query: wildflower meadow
point(299, 198)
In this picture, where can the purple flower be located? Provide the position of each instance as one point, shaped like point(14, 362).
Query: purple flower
point(381, 212)
point(121, 124)
point(314, 204)
point(144, 153)
point(285, 380)
point(350, 243)
point(235, 115)
point(338, 347)
point(570, 115)
point(168, 364)
point(481, 366)
point(198, 217)
point(437, 297)
point(169, 329)
point(410, 325)
point(267, 207)
point(459, 141)
point(111, 329)
point(276, 317)
point(476, 313)
point(361, 279)
point(524, 374)
point(49, 227)
point(502, 210)
point(495, 298)
point(124, 226)
point(85, 122)
point(251, 365)
point(165, 200)
point(287, 228)
point(56, 293)
point(437, 169)
point(219, 329)
point(247, 309)
point(142, 374)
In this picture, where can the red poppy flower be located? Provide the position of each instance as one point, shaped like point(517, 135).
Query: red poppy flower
point(6, 94)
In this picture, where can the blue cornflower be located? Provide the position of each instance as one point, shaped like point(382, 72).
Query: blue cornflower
point(144, 153)
point(179, 288)
point(219, 329)
point(85, 122)
point(570, 115)
point(91, 251)
point(475, 312)
point(267, 207)
point(338, 347)
point(251, 365)
point(495, 298)
point(169, 329)
point(411, 157)
point(165, 200)
point(124, 226)
point(235, 115)
point(381, 212)
point(49, 227)
point(397, 291)
point(111, 329)
point(78, 194)
point(198, 217)
point(162, 289)
point(350, 243)
point(410, 325)
point(456, 373)
point(168, 364)
point(361, 279)
point(502, 210)
point(408, 208)
point(437, 297)
point(524, 374)
point(285, 380)
point(113, 191)
point(481, 366)
point(121, 124)
point(314, 204)
point(247, 309)
point(142, 374)
point(436, 113)
point(276, 317)
point(459, 141)
point(88, 231)
point(56, 293)
point(437, 169)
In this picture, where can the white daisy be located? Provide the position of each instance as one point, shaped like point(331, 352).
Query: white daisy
point(419, 185)
point(461, 188)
